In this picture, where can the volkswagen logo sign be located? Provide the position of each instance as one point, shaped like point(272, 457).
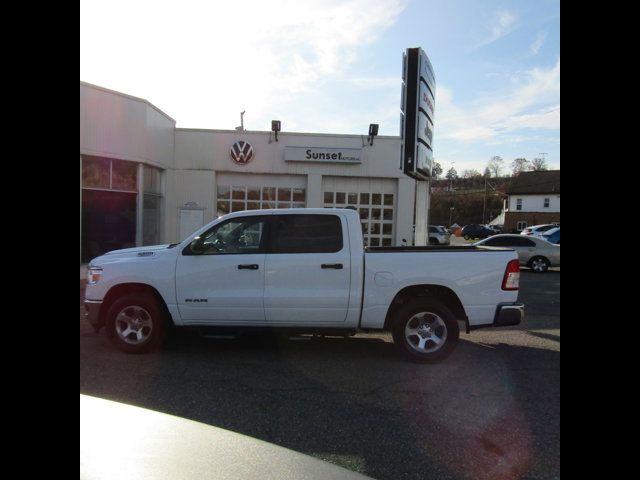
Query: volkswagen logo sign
point(241, 152)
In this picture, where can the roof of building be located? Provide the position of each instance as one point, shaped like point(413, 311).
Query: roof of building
point(544, 181)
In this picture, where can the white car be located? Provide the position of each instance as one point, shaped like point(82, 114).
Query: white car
point(533, 252)
point(538, 229)
point(438, 235)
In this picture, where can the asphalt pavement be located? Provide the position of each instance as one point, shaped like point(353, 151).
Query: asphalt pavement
point(489, 411)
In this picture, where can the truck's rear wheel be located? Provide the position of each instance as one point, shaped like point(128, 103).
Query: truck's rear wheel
point(136, 323)
point(425, 331)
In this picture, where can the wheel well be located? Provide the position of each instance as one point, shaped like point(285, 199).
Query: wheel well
point(437, 292)
point(126, 288)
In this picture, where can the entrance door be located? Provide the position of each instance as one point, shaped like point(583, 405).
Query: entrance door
point(108, 222)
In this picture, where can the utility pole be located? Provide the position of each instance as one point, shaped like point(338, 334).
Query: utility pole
point(484, 204)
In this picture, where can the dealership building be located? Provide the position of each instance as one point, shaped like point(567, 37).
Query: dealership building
point(143, 181)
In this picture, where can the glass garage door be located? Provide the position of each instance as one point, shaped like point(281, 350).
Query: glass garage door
point(247, 192)
point(374, 200)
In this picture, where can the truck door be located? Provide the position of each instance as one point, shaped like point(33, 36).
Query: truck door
point(307, 271)
point(220, 275)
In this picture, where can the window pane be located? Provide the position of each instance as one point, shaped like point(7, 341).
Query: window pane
point(340, 198)
point(239, 193)
point(253, 205)
point(269, 193)
point(388, 214)
point(95, 172)
point(328, 197)
point(374, 242)
point(365, 228)
point(387, 229)
point(364, 198)
point(151, 179)
point(364, 213)
point(376, 199)
point(375, 229)
point(284, 194)
point(307, 234)
point(151, 220)
point(253, 193)
point(375, 213)
point(223, 208)
point(299, 195)
point(124, 175)
point(224, 192)
point(267, 205)
point(237, 206)
point(352, 198)
point(386, 242)
point(388, 199)
point(236, 236)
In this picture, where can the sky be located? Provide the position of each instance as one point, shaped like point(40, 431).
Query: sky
point(330, 66)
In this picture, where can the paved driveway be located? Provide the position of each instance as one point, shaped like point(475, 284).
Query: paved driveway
point(490, 411)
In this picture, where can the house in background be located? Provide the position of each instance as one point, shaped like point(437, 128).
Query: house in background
point(534, 199)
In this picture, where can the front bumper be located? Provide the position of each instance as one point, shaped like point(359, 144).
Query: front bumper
point(507, 314)
point(92, 313)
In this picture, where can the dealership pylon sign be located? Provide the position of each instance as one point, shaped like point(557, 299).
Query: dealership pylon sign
point(417, 114)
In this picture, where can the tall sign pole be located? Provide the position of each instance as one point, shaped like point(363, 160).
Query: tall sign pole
point(416, 131)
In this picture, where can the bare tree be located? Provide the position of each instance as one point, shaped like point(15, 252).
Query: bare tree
point(451, 174)
point(495, 166)
point(472, 173)
point(436, 170)
point(538, 164)
point(519, 165)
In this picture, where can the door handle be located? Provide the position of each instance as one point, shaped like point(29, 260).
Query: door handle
point(337, 266)
point(252, 266)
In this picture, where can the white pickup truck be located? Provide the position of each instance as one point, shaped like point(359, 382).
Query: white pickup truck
point(301, 271)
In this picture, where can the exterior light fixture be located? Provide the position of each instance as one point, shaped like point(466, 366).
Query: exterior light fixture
point(373, 131)
point(275, 127)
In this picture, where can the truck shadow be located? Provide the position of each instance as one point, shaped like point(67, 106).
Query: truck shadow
point(488, 411)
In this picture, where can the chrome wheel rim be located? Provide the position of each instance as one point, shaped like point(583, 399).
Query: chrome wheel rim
point(425, 332)
point(134, 325)
point(539, 265)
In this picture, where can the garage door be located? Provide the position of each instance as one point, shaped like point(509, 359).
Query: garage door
point(373, 198)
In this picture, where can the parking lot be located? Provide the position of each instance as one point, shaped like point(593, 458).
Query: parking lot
point(489, 411)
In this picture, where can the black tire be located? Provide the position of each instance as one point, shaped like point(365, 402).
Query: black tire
point(433, 241)
point(467, 237)
point(539, 264)
point(142, 317)
point(443, 326)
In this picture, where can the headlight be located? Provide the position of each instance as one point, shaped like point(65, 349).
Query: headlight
point(94, 274)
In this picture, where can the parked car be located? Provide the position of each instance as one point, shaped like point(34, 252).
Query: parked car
point(552, 236)
point(496, 229)
point(537, 229)
point(438, 235)
point(533, 252)
point(474, 230)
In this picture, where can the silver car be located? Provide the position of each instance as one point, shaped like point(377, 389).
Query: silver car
point(438, 235)
point(533, 252)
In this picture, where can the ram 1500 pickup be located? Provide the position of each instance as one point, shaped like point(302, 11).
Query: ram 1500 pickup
point(302, 271)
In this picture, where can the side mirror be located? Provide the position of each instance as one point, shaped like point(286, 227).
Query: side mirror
point(197, 245)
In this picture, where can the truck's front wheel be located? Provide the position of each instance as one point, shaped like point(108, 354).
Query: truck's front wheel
point(136, 323)
point(425, 331)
